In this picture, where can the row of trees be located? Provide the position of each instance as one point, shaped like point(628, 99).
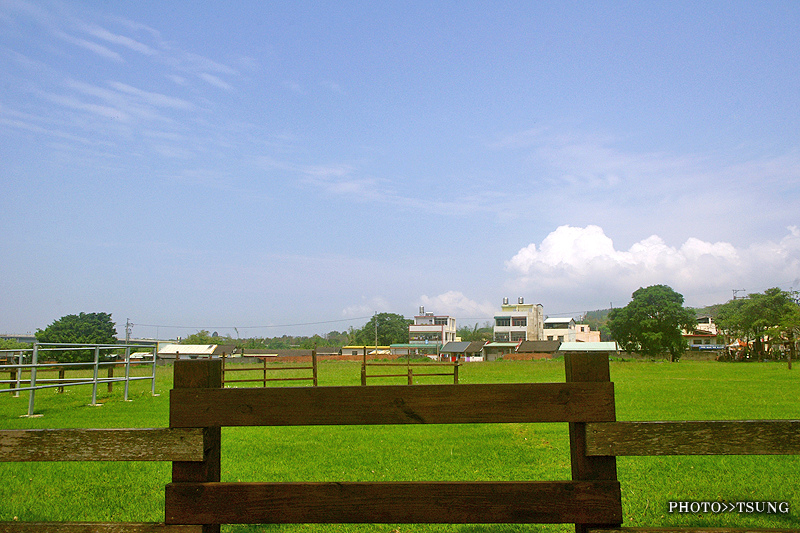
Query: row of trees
point(769, 319)
point(383, 328)
point(651, 324)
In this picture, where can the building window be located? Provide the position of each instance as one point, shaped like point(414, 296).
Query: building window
point(440, 321)
point(502, 321)
point(519, 321)
point(501, 337)
point(518, 336)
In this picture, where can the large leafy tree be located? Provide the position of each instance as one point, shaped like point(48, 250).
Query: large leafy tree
point(392, 329)
point(653, 322)
point(83, 328)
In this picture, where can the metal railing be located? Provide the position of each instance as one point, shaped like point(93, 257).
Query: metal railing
point(17, 364)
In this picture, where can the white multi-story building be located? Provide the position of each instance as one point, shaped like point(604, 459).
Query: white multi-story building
point(519, 322)
point(431, 328)
point(566, 330)
point(559, 329)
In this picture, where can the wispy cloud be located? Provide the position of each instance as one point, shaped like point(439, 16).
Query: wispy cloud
point(216, 81)
point(153, 98)
point(119, 40)
point(92, 46)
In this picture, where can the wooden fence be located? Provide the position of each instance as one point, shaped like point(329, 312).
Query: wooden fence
point(196, 499)
point(409, 373)
point(267, 370)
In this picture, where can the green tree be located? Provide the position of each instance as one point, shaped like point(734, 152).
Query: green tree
point(205, 337)
point(652, 323)
point(768, 314)
point(13, 344)
point(475, 333)
point(392, 329)
point(84, 328)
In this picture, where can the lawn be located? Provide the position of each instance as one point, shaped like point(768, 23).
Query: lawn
point(644, 391)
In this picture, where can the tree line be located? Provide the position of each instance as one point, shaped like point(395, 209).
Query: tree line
point(651, 324)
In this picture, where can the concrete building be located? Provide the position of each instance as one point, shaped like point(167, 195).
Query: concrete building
point(559, 329)
point(567, 330)
point(429, 328)
point(519, 322)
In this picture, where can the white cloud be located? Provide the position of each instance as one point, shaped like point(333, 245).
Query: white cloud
point(376, 304)
point(574, 262)
point(456, 304)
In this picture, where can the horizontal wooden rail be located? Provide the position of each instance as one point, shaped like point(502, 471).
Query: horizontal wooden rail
point(746, 437)
point(261, 380)
point(394, 404)
point(96, 527)
point(413, 364)
point(269, 369)
point(691, 529)
point(158, 444)
point(402, 502)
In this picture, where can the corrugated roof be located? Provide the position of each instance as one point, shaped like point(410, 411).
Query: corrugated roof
point(588, 347)
point(556, 320)
point(455, 347)
point(501, 344)
point(538, 346)
point(188, 349)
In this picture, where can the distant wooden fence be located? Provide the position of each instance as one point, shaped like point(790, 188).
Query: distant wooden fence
point(196, 499)
point(409, 373)
point(267, 370)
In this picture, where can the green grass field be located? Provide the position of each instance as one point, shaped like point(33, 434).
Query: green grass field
point(644, 391)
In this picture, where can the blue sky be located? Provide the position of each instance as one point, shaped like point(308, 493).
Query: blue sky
point(295, 167)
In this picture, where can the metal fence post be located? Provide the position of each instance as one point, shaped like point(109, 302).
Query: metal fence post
point(96, 365)
point(127, 371)
point(34, 362)
point(18, 374)
point(153, 380)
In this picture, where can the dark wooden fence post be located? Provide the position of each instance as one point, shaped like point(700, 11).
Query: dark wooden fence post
point(588, 367)
point(205, 374)
point(314, 365)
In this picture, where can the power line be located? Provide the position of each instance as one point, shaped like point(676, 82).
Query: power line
point(256, 327)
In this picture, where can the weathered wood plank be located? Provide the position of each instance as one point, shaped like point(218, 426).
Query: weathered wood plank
point(396, 404)
point(718, 437)
point(155, 444)
point(588, 368)
point(196, 375)
point(95, 527)
point(402, 502)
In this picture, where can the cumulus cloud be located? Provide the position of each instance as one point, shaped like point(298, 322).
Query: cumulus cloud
point(456, 304)
point(583, 260)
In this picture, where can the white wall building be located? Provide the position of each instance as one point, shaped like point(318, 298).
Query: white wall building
point(559, 329)
point(432, 329)
point(519, 322)
point(567, 330)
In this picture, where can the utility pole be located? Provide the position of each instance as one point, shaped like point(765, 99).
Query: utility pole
point(128, 327)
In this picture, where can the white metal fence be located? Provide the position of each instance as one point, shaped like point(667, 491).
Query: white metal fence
point(18, 362)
